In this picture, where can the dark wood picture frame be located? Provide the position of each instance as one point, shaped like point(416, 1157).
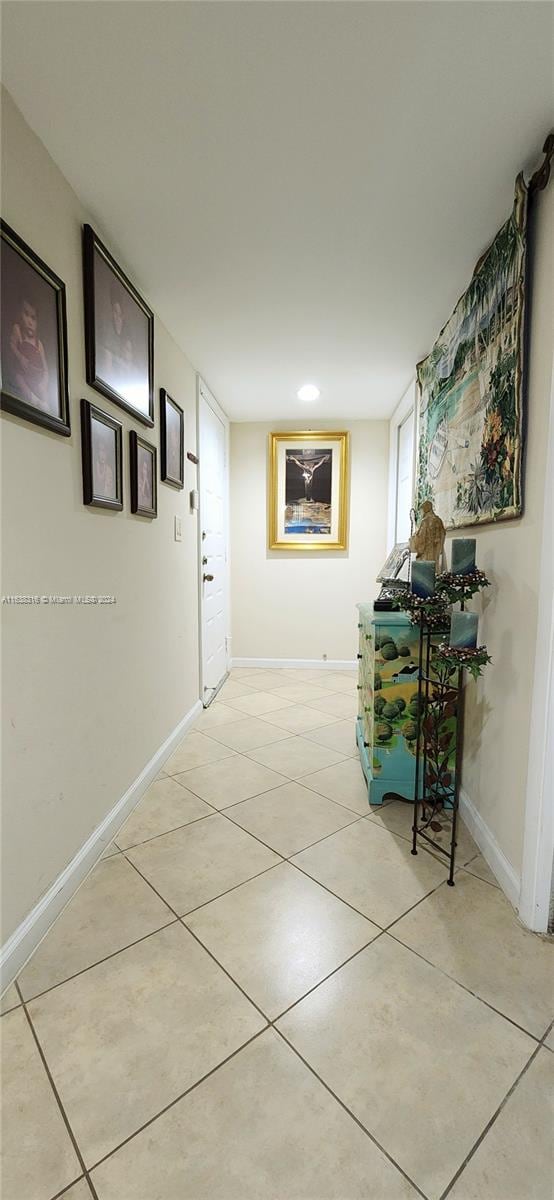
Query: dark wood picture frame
point(167, 401)
point(136, 441)
point(92, 246)
point(11, 402)
point(88, 413)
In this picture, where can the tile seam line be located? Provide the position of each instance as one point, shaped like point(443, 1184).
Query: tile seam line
point(176, 1100)
point(190, 912)
point(145, 841)
point(484, 1132)
point(241, 754)
point(382, 928)
point(356, 1119)
point(98, 961)
point(57, 1096)
point(288, 857)
point(182, 922)
point(407, 838)
point(464, 986)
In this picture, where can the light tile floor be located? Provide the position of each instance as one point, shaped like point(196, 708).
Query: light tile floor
point(260, 994)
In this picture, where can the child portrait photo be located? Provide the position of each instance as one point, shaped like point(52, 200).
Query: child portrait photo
point(119, 333)
point(33, 346)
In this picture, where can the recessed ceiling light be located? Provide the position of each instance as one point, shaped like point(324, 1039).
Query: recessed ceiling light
point(308, 392)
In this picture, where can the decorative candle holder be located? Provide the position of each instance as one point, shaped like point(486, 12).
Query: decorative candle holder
point(462, 556)
point(463, 630)
point(423, 578)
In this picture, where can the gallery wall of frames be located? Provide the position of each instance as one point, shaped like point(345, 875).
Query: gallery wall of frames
point(119, 346)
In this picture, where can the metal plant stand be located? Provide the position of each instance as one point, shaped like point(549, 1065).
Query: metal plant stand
point(438, 748)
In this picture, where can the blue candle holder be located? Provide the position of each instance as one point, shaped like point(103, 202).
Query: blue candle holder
point(463, 630)
point(463, 556)
point(423, 578)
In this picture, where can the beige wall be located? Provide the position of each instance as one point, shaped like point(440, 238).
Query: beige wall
point(294, 605)
point(89, 694)
point(498, 705)
point(498, 708)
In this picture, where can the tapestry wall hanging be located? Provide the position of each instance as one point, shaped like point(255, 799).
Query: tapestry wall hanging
point(471, 390)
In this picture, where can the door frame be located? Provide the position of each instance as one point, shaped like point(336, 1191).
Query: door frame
point(203, 393)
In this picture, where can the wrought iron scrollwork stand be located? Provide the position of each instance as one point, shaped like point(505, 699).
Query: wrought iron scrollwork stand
point(435, 790)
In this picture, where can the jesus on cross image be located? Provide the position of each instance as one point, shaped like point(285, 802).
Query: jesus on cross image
point(308, 472)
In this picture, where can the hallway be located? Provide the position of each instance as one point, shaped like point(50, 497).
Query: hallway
point(259, 992)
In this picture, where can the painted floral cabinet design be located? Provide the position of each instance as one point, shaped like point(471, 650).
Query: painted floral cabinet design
point(387, 701)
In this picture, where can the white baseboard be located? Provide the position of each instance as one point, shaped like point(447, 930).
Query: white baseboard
point(24, 941)
point(501, 868)
point(313, 664)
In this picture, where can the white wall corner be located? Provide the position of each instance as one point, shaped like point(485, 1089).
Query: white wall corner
point(501, 868)
point(538, 841)
point(26, 938)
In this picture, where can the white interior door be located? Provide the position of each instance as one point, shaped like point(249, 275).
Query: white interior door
point(212, 441)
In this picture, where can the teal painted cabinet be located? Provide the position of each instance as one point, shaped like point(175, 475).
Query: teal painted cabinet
point(386, 727)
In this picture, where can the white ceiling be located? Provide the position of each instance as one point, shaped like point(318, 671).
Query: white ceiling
point(300, 190)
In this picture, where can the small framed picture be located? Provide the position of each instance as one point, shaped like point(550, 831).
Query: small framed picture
point(172, 433)
point(119, 333)
point(308, 490)
point(33, 353)
point(144, 493)
point(102, 448)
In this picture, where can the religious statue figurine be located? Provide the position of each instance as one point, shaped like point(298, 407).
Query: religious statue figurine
point(428, 541)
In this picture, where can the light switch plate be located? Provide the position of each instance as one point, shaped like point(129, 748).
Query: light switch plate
point(178, 530)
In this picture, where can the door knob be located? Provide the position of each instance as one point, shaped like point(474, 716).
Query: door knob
point(207, 578)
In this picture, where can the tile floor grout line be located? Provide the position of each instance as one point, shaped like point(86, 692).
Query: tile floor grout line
point(66, 1190)
point(227, 973)
point(256, 795)
point(434, 889)
point(242, 754)
point(356, 1119)
point(98, 961)
point(467, 868)
point(288, 779)
point(428, 850)
point(382, 928)
point(405, 838)
point(326, 978)
point(180, 917)
point(177, 1099)
point(464, 986)
point(191, 911)
point(489, 1125)
point(327, 889)
point(163, 833)
point(545, 1035)
point(288, 857)
point(57, 1096)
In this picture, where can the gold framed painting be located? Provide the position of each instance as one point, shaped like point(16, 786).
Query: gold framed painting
point(308, 490)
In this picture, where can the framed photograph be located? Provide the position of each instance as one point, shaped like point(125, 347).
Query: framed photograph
point(33, 355)
point(172, 444)
point(308, 491)
point(144, 494)
point(119, 333)
point(393, 565)
point(102, 449)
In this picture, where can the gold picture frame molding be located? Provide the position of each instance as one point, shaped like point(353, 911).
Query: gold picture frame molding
point(300, 436)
